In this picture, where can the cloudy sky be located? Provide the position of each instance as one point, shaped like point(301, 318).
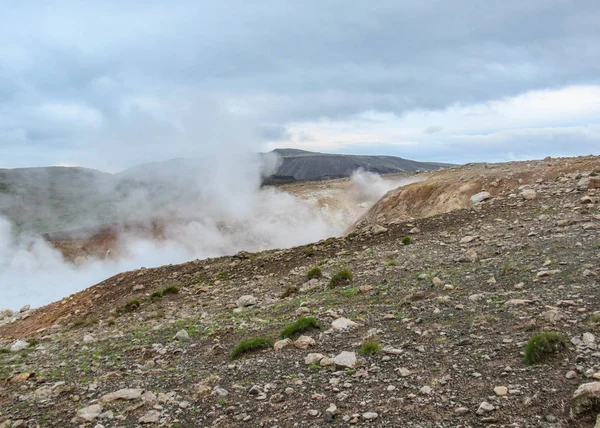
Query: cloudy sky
point(113, 84)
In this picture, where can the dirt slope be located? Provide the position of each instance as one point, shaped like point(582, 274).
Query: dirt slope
point(452, 312)
point(451, 189)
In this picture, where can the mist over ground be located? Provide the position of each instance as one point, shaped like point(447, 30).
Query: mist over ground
point(210, 207)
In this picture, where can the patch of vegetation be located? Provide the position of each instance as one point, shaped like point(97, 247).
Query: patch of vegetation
point(351, 235)
point(350, 292)
point(4, 351)
point(251, 345)
point(314, 273)
point(543, 346)
point(87, 322)
point(325, 261)
point(392, 262)
point(406, 240)
point(370, 347)
point(309, 252)
point(290, 291)
point(340, 278)
point(171, 289)
point(130, 306)
point(315, 367)
point(300, 326)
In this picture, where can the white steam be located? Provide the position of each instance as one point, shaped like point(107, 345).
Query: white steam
point(210, 200)
point(217, 211)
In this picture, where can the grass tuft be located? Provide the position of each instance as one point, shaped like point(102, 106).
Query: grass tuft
point(300, 326)
point(130, 306)
point(251, 345)
point(543, 346)
point(405, 240)
point(314, 273)
point(171, 289)
point(370, 347)
point(340, 278)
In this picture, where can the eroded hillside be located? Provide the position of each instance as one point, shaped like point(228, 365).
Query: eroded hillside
point(430, 330)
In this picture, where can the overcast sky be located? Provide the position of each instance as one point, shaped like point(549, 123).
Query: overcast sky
point(113, 84)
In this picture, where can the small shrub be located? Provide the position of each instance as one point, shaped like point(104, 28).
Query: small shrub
point(315, 367)
point(351, 235)
point(392, 262)
point(405, 240)
point(251, 345)
point(171, 289)
point(309, 252)
point(340, 278)
point(132, 304)
point(542, 346)
point(370, 347)
point(129, 306)
point(290, 291)
point(300, 326)
point(314, 273)
point(157, 294)
point(4, 351)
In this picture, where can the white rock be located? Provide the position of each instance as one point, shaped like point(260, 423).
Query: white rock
point(345, 359)
point(528, 194)
point(425, 390)
point(247, 300)
point(182, 336)
point(5, 313)
point(501, 391)
point(313, 358)
point(303, 342)
point(369, 416)
point(25, 308)
point(19, 345)
point(123, 394)
point(342, 323)
point(468, 239)
point(280, 344)
point(404, 372)
point(484, 408)
point(88, 338)
point(480, 197)
point(88, 414)
point(151, 417)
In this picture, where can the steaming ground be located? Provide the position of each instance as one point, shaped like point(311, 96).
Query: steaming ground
point(229, 216)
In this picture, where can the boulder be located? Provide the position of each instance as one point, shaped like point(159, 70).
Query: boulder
point(480, 197)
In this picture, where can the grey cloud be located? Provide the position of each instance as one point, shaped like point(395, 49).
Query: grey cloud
point(288, 62)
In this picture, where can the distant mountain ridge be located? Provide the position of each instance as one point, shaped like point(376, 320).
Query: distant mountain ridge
point(49, 199)
point(301, 165)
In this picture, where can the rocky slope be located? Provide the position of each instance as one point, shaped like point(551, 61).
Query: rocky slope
point(446, 319)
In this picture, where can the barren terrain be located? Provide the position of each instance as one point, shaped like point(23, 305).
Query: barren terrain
point(446, 314)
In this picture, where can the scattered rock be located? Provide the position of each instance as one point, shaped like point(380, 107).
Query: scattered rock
point(303, 342)
point(484, 408)
point(90, 413)
point(341, 324)
point(151, 417)
point(501, 391)
point(182, 336)
point(280, 344)
point(123, 394)
point(19, 345)
point(480, 197)
point(345, 359)
point(246, 301)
